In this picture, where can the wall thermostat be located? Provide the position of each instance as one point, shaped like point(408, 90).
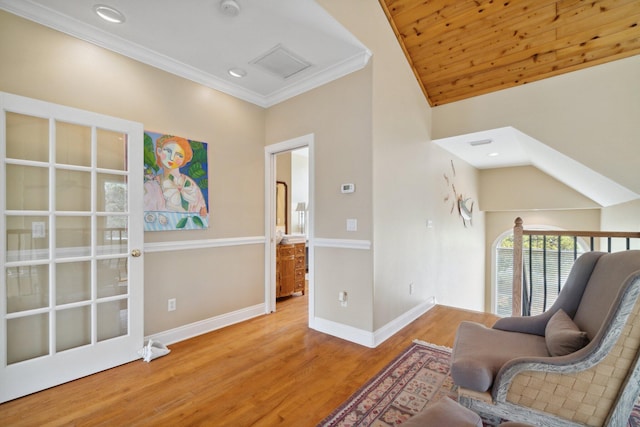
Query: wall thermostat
point(347, 188)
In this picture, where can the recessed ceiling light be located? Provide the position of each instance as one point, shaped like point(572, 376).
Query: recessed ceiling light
point(229, 7)
point(494, 154)
point(109, 14)
point(237, 72)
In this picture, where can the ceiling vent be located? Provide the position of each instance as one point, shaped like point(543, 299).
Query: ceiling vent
point(281, 62)
point(480, 142)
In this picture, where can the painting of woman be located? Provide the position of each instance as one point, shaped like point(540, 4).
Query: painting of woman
point(170, 194)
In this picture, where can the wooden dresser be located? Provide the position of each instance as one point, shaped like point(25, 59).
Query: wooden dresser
point(290, 269)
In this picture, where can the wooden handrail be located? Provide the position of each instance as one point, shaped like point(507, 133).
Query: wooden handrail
point(605, 234)
point(519, 231)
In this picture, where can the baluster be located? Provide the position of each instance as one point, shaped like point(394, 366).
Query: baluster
point(559, 283)
point(516, 289)
point(544, 272)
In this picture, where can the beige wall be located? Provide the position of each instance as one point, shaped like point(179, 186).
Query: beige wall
point(526, 187)
point(408, 187)
point(590, 115)
point(622, 217)
point(339, 116)
point(372, 129)
point(51, 66)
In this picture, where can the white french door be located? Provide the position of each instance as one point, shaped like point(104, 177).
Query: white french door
point(71, 233)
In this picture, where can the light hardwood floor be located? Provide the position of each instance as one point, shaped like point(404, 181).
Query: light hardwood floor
point(271, 370)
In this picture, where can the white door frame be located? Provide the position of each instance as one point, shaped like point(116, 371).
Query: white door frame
point(270, 152)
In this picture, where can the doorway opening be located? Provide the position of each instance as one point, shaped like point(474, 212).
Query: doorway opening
point(289, 221)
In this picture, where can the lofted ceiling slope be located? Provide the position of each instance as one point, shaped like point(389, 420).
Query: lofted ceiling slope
point(463, 48)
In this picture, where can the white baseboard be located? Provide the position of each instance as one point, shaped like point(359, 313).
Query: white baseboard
point(388, 330)
point(372, 339)
point(202, 327)
point(340, 330)
point(343, 331)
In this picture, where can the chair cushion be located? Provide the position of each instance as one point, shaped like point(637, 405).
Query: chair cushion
point(479, 353)
point(444, 413)
point(563, 336)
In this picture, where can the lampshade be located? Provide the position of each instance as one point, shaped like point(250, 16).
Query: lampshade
point(302, 206)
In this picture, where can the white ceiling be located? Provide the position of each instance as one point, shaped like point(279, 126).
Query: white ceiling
point(505, 147)
point(195, 40)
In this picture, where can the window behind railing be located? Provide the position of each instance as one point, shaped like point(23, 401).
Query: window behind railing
point(550, 257)
point(542, 260)
point(546, 270)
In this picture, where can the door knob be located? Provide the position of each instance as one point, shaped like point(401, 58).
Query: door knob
point(136, 253)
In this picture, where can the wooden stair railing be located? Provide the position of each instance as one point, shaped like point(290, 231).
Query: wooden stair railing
point(519, 231)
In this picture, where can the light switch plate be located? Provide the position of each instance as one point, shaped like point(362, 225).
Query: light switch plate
point(352, 224)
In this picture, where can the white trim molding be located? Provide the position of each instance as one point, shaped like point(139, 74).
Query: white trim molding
point(346, 332)
point(388, 330)
point(184, 245)
point(342, 243)
point(208, 325)
point(367, 338)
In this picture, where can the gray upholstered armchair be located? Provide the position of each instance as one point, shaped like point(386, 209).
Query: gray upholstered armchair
point(575, 364)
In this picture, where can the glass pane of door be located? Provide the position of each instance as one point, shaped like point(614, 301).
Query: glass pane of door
point(73, 144)
point(27, 338)
point(27, 137)
point(73, 282)
point(112, 150)
point(73, 190)
point(27, 238)
point(27, 187)
point(73, 328)
point(27, 287)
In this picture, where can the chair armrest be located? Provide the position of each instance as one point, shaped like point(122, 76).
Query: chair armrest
point(525, 324)
point(570, 363)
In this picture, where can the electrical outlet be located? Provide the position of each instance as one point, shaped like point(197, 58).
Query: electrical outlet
point(171, 304)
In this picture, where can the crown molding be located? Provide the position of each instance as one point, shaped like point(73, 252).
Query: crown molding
point(78, 29)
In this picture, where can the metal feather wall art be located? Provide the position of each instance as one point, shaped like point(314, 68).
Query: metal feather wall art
point(457, 202)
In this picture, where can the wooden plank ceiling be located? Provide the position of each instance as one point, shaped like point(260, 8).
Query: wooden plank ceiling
point(462, 48)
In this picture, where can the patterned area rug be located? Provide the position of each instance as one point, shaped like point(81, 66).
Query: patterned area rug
point(416, 377)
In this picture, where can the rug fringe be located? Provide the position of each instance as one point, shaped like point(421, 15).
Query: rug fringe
point(428, 344)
